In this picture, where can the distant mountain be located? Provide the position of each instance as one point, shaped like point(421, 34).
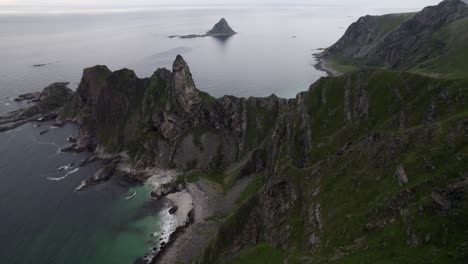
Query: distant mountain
point(433, 41)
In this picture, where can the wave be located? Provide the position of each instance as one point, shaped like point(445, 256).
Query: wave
point(130, 196)
point(65, 167)
point(56, 179)
point(63, 177)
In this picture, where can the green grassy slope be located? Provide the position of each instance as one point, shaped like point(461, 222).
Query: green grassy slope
point(409, 43)
point(415, 124)
point(452, 62)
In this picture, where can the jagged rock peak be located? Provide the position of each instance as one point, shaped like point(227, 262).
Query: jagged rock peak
point(221, 28)
point(184, 89)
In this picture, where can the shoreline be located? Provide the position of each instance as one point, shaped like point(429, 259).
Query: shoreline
point(322, 65)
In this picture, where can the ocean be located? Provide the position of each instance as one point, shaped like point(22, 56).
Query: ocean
point(42, 220)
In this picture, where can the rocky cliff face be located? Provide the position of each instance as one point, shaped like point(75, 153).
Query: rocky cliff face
point(405, 41)
point(166, 121)
point(365, 34)
point(383, 146)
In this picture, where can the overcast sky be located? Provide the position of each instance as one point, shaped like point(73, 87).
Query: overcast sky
point(112, 3)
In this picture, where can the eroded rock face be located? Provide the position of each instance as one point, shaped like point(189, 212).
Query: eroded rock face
point(185, 92)
point(165, 120)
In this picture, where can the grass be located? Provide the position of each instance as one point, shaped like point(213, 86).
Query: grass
point(452, 63)
point(260, 254)
point(340, 66)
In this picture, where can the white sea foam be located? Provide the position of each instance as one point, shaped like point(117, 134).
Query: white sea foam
point(63, 177)
point(56, 179)
point(130, 196)
point(65, 167)
point(73, 171)
point(81, 186)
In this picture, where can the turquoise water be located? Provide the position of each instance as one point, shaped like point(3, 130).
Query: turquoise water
point(122, 237)
point(45, 221)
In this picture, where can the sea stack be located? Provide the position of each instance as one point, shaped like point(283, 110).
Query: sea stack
point(221, 28)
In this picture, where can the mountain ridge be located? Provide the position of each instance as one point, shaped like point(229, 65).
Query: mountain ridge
point(424, 42)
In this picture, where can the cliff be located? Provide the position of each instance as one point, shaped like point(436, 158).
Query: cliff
point(165, 121)
point(383, 177)
point(369, 166)
point(430, 41)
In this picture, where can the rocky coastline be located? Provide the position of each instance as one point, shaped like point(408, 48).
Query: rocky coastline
point(381, 137)
point(323, 65)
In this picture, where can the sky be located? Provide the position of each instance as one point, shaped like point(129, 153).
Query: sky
point(116, 3)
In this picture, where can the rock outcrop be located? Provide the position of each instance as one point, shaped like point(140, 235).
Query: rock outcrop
point(45, 106)
point(166, 121)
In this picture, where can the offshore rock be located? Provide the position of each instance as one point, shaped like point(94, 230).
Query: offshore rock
point(46, 106)
point(221, 28)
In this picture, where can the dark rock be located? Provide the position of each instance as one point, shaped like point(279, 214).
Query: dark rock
point(71, 139)
point(28, 97)
point(102, 175)
point(106, 173)
point(173, 210)
point(192, 36)
point(73, 148)
point(167, 189)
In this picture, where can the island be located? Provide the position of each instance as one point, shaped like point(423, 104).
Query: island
point(220, 29)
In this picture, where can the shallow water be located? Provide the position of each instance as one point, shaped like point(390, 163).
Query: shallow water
point(42, 220)
point(45, 221)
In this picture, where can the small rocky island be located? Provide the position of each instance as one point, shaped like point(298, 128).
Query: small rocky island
point(220, 29)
